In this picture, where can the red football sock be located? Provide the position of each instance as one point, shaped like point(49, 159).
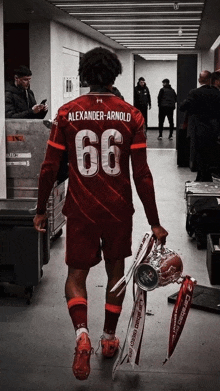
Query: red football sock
point(78, 312)
point(112, 313)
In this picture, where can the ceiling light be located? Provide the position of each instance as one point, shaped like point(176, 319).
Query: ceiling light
point(143, 20)
point(180, 32)
point(137, 4)
point(176, 5)
point(135, 13)
point(140, 30)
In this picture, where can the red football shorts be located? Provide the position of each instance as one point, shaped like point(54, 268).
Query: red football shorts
point(86, 241)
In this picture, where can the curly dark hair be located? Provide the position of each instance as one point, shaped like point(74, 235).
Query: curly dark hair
point(99, 66)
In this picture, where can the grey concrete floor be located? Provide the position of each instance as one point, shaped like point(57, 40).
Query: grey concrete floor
point(37, 341)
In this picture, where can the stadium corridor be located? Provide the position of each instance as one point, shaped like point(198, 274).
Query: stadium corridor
point(37, 340)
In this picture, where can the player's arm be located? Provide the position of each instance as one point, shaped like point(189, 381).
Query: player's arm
point(48, 176)
point(145, 188)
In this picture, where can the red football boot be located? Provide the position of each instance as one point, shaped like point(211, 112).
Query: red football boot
point(81, 362)
point(109, 346)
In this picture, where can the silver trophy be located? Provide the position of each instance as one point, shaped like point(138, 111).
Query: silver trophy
point(161, 267)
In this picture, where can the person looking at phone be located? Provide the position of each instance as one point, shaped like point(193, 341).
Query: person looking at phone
point(20, 101)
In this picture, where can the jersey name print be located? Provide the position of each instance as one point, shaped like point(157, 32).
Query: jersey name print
point(99, 131)
point(99, 116)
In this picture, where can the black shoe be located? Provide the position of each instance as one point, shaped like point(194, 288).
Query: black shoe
point(159, 138)
point(170, 137)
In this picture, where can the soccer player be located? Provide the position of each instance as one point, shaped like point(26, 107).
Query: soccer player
point(100, 132)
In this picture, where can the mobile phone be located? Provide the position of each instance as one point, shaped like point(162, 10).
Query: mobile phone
point(43, 102)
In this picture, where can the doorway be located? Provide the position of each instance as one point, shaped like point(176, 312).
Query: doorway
point(16, 47)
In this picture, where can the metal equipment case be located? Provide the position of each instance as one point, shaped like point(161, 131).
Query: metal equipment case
point(195, 190)
point(26, 142)
point(203, 210)
point(213, 258)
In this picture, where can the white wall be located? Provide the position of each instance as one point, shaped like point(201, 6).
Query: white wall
point(206, 58)
point(154, 72)
point(39, 32)
point(205, 62)
point(124, 82)
point(63, 37)
point(49, 43)
point(2, 111)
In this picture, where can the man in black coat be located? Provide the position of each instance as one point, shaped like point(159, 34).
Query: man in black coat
point(166, 103)
point(203, 107)
point(20, 101)
point(142, 99)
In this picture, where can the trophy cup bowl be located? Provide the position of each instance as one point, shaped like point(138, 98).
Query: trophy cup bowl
point(160, 268)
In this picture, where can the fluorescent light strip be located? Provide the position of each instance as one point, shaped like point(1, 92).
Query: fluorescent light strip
point(150, 34)
point(157, 56)
point(157, 43)
point(127, 31)
point(179, 20)
point(185, 26)
point(156, 40)
point(160, 47)
point(153, 37)
point(156, 46)
point(137, 13)
point(108, 32)
point(92, 5)
point(162, 41)
point(162, 36)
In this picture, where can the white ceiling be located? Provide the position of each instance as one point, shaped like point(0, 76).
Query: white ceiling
point(140, 24)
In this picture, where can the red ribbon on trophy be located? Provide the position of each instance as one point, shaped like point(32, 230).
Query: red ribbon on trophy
point(154, 266)
point(180, 312)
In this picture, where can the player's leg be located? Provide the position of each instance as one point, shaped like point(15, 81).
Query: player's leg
point(144, 112)
point(171, 121)
point(116, 246)
point(161, 122)
point(76, 296)
point(82, 245)
point(113, 308)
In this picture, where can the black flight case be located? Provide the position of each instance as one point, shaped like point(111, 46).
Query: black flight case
point(23, 250)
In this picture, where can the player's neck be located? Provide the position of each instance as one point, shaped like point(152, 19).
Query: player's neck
point(98, 88)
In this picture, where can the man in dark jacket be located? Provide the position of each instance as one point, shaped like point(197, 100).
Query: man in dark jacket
point(166, 102)
point(142, 99)
point(20, 101)
point(202, 105)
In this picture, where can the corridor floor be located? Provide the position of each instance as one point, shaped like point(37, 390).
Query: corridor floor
point(37, 340)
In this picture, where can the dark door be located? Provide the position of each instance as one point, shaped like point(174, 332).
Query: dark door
point(186, 81)
point(16, 47)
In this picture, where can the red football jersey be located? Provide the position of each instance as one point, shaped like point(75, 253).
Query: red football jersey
point(99, 132)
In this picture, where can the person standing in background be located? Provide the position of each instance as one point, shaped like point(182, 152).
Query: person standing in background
point(202, 105)
point(166, 102)
point(142, 99)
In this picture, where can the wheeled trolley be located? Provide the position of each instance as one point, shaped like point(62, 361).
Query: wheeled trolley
point(23, 250)
point(26, 143)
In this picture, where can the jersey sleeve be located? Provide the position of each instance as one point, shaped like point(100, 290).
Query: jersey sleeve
point(51, 164)
point(57, 137)
point(144, 185)
point(141, 173)
point(139, 139)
